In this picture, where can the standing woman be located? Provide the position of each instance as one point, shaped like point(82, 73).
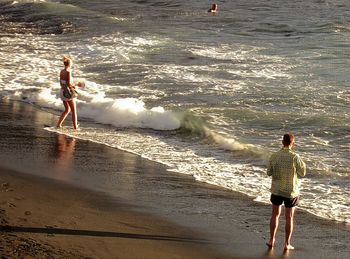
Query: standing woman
point(67, 88)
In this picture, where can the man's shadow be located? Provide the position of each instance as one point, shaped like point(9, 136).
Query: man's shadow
point(93, 233)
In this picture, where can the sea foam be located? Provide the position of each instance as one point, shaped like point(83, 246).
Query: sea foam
point(121, 112)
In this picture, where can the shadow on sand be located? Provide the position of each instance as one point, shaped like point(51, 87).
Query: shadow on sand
point(74, 232)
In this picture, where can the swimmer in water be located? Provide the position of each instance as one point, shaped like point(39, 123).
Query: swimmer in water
point(213, 8)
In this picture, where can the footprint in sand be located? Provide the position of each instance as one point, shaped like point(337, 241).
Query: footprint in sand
point(11, 205)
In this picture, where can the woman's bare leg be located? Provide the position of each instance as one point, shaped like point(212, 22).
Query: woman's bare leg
point(73, 108)
point(63, 115)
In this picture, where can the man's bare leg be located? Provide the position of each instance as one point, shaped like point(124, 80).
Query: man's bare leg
point(276, 212)
point(289, 228)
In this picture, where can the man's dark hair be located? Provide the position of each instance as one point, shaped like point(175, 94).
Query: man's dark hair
point(287, 139)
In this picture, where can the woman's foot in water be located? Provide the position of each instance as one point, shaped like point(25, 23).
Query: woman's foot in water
point(270, 244)
point(288, 247)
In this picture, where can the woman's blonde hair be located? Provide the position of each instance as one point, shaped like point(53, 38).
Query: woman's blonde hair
point(67, 61)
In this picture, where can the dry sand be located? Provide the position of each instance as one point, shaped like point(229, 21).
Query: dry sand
point(42, 218)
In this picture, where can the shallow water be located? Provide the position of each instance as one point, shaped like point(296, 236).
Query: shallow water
point(208, 95)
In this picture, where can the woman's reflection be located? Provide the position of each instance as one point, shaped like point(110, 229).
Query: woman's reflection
point(65, 147)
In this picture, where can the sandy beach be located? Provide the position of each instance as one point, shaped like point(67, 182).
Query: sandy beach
point(67, 198)
point(42, 218)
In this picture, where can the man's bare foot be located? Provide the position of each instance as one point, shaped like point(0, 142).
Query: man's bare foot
point(288, 247)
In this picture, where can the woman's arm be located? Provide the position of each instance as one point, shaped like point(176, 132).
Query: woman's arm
point(70, 80)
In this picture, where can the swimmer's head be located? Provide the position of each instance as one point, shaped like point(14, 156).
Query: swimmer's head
point(67, 61)
point(213, 8)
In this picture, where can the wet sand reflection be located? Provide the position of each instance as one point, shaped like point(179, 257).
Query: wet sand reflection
point(64, 148)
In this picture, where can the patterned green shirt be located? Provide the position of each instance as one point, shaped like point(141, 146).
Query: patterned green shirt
point(285, 166)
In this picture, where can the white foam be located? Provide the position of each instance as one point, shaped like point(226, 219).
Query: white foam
point(215, 166)
point(260, 65)
point(129, 112)
point(126, 112)
point(28, 1)
point(36, 80)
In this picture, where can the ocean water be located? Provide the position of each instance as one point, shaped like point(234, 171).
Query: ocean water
point(208, 95)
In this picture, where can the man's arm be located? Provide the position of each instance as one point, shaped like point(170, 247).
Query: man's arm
point(269, 167)
point(300, 166)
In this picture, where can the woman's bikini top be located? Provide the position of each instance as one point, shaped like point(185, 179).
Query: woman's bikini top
point(63, 82)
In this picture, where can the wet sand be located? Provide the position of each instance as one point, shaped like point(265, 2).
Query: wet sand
point(69, 198)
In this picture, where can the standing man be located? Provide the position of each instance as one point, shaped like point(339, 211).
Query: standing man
point(284, 166)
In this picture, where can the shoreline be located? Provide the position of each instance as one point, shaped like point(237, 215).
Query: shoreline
point(236, 226)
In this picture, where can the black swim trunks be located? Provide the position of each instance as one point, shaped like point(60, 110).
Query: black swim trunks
point(288, 202)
